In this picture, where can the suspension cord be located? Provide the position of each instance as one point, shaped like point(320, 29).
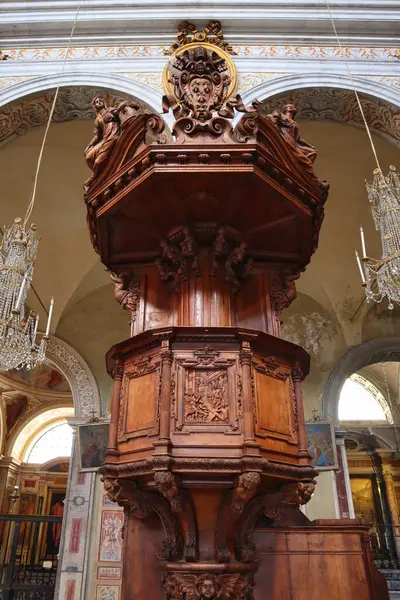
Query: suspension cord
point(354, 87)
point(39, 162)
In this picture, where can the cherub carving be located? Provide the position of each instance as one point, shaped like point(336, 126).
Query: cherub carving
point(172, 264)
point(189, 249)
point(126, 291)
point(208, 586)
point(290, 130)
point(238, 266)
point(220, 248)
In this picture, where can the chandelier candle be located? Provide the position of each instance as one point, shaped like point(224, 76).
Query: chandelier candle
point(360, 269)
point(364, 252)
point(49, 317)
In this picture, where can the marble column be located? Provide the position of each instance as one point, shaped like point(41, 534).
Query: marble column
point(394, 510)
point(345, 498)
point(386, 512)
point(75, 535)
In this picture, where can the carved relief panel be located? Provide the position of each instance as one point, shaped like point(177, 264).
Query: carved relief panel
point(139, 409)
point(275, 404)
point(205, 398)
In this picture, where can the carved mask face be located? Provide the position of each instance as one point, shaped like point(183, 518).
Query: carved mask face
point(208, 590)
point(200, 90)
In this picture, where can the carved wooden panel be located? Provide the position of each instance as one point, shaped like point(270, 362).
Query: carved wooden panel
point(274, 401)
point(139, 413)
point(205, 398)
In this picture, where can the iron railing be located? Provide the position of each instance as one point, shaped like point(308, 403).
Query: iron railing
point(28, 556)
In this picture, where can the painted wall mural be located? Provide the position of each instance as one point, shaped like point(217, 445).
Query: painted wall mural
point(111, 536)
point(107, 592)
point(44, 377)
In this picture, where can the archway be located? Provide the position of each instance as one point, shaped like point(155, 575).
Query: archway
point(331, 98)
point(27, 106)
point(380, 350)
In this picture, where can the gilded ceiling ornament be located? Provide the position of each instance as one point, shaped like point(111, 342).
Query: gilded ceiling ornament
point(212, 34)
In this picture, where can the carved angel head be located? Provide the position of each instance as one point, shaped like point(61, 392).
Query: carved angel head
point(208, 587)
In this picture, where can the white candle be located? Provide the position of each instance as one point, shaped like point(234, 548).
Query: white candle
point(364, 252)
point(360, 268)
point(21, 291)
point(36, 327)
point(49, 318)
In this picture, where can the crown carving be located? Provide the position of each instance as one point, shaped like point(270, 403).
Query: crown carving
point(211, 34)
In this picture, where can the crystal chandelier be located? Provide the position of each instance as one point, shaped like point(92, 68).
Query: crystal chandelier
point(381, 277)
point(19, 347)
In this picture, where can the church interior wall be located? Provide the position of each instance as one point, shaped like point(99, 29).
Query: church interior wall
point(329, 316)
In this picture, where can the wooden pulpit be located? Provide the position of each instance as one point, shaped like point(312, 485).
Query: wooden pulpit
point(204, 232)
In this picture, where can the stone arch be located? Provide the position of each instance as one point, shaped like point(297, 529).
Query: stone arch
point(85, 393)
point(26, 105)
point(331, 98)
point(106, 81)
point(368, 353)
point(30, 431)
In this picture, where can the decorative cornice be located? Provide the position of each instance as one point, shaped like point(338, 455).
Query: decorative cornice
point(287, 52)
point(256, 21)
point(83, 385)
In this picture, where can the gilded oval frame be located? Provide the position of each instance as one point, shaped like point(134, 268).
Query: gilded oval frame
point(232, 70)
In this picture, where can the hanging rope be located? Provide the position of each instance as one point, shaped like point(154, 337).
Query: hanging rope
point(354, 87)
point(39, 162)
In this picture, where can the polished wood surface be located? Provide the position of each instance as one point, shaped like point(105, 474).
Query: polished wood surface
point(204, 236)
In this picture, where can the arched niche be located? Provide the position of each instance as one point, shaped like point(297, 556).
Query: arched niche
point(27, 105)
point(371, 352)
point(331, 98)
point(85, 393)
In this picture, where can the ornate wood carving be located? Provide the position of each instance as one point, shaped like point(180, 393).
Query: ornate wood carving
point(109, 124)
point(181, 503)
point(140, 504)
point(205, 388)
point(206, 396)
point(168, 485)
point(211, 34)
point(230, 510)
point(282, 290)
point(180, 251)
point(208, 586)
point(201, 84)
point(273, 505)
point(126, 292)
